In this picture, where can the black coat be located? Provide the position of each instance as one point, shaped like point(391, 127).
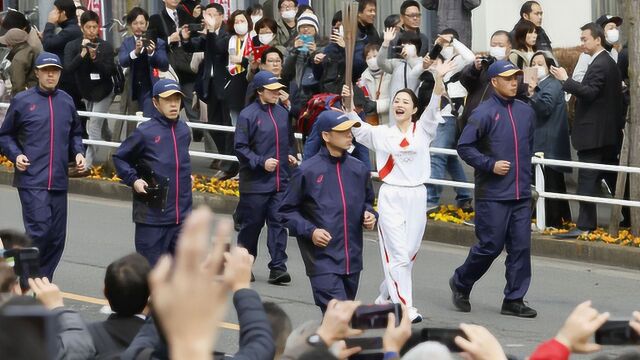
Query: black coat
point(216, 56)
point(599, 119)
point(92, 77)
point(162, 24)
point(112, 336)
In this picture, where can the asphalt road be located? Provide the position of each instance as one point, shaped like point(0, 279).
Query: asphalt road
point(101, 231)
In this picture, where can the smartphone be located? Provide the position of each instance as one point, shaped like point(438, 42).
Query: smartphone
point(617, 332)
point(396, 52)
point(26, 264)
point(530, 75)
point(444, 336)
point(149, 36)
point(28, 332)
point(366, 343)
point(435, 51)
point(93, 45)
point(193, 28)
point(375, 316)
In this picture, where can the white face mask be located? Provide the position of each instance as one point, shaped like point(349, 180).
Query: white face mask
point(255, 19)
point(289, 14)
point(372, 63)
point(241, 28)
point(542, 72)
point(447, 53)
point(498, 52)
point(411, 51)
point(265, 39)
point(613, 36)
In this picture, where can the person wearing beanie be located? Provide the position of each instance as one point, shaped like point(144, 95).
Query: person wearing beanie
point(22, 56)
point(15, 19)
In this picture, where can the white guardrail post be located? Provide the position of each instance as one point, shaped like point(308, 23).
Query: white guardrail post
point(540, 210)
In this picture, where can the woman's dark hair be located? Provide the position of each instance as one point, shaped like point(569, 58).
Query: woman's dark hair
point(134, 13)
point(371, 47)
point(15, 20)
point(520, 37)
point(391, 21)
point(232, 19)
point(268, 23)
point(254, 9)
point(550, 61)
point(302, 9)
point(409, 37)
point(414, 99)
point(450, 31)
point(89, 16)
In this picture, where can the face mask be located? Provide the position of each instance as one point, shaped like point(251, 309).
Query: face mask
point(613, 36)
point(265, 39)
point(373, 64)
point(241, 28)
point(411, 51)
point(447, 53)
point(498, 52)
point(289, 15)
point(255, 19)
point(542, 72)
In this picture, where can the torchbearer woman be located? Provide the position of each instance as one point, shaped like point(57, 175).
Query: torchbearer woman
point(403, 163)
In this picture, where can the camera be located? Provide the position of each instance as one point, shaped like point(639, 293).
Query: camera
point(396, 52)
point(92, 45)
point(617, 332)
point(194, 28)
point(26, 263)
point(445, 336)
point(375, 316)
point(147, 37)
point(485, 61)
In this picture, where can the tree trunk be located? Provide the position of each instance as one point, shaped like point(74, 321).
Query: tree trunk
point(632, 21)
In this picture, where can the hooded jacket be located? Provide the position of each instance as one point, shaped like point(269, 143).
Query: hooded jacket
point(44, 127)
point(500, 129)
point(161, 145)
point(329, 193)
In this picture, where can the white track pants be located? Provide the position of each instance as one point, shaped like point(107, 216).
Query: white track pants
point(401, 224)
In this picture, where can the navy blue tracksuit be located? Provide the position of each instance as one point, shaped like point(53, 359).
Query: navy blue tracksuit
point(332, 194)
point(45, 128)
point(161, 146)
point(262, 132)
point(500, 129)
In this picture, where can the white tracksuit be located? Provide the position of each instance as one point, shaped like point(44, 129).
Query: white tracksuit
point(403, 163)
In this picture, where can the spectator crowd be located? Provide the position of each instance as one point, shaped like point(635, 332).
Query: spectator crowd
point(271, 76)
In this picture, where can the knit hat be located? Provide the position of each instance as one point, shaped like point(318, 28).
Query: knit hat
point(13, 37)
point(308, 19)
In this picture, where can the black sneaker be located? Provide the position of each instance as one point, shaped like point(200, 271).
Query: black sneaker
point(458, 298)
point(466, 207)
point(517, 308)
point(278, 277)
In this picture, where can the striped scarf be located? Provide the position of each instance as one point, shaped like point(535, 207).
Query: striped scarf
point(238, 46)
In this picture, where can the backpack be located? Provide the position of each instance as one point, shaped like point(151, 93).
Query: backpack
point(310, 111)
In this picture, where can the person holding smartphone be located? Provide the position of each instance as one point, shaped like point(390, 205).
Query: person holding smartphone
point(315, 210)
point(155, 162)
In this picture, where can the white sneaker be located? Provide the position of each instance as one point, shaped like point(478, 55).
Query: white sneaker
point(414, 315)
point(381, 301)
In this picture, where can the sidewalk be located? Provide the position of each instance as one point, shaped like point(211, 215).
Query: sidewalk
point(461, 235)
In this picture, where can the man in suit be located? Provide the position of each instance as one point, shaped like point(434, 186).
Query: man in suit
point(597, 128)
point(214, 77)
point(166, 25)
point(144, 57)
point(127, 290)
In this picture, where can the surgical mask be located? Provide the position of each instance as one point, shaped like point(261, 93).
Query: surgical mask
point(411, 51)
point(447, 53)
point(289, 15)
point(372, 63)
point(542, 72)
point(613, 36)
point(255, 19)
point(498, 52)
point(265, 39)
point(241, 28)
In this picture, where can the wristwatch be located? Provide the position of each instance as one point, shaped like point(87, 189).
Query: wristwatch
point(316, 341)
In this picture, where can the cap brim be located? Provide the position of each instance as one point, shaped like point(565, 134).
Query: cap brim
point(510, 73)
point(169, 93)
point(3, 40)
point(49, 65)
point(346, 125)
point(274, 86)
point(616, 20)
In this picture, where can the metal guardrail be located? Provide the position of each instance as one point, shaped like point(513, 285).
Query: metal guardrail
point(537, 161)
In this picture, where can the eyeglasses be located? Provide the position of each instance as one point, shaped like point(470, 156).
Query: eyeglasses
point(285, 8)
point(274, 61)
point(413, 16)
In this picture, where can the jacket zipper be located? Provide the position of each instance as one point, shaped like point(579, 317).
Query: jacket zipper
point(50, 143)
point(175, 151)
point(344, 219)
point(275, 126)
point(515, 141)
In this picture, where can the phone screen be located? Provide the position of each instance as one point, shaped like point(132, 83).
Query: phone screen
point(375, 316)
point(617, 332)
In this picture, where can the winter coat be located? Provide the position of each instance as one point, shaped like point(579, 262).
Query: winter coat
point(455, 15)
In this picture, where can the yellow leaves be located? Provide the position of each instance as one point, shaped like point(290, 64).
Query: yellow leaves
point(624, 238)
point(451, 214)
point(4, 161)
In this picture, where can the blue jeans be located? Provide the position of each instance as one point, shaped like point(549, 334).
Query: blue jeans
point(446, 139)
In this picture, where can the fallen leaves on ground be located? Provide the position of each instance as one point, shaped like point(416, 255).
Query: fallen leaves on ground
point(451, 214)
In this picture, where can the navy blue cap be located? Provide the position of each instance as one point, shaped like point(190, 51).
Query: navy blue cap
point(266, 79)
point(48, 59)
point(605, 19)
point(332, 120)
point(502, 68)
point(166, 87)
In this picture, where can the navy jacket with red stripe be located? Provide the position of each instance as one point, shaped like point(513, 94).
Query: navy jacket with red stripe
point(332, 194)
point(263, 132)
point(45, 128)
point(500, 129)
point(162, 146)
